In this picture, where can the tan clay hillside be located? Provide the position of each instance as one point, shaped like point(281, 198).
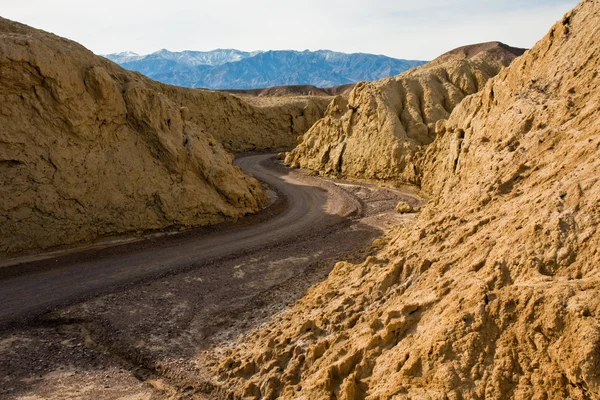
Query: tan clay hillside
point(248, 123)
point(381, 129)
point(89, 149)
point(492, 292)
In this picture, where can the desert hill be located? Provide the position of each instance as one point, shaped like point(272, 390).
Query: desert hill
point(248, 123)
point(383, 126)
point(488, 50)
point(492, 291)
point(90, 149)
point(296, 90)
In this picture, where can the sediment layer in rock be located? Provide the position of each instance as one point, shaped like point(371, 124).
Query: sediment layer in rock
point(492, 292)
point(382, 128)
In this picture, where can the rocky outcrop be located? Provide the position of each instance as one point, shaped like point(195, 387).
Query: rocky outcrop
point(382, 128)
point(492, 292)
point(88, 149)
point(248, 123)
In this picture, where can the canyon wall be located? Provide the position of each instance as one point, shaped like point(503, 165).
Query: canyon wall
point(382, 128)
point(247, 123)
point(89, 150)
point(492, 291)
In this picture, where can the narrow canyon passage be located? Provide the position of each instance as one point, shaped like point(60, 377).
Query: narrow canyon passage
point(134, 319)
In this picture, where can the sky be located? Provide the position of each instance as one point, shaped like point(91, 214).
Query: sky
point(417, 29)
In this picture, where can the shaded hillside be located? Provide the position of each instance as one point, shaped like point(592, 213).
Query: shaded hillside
point(492, 291)
point(381, 128)
point(243, 124)
point(90, 149)
point(232, 69)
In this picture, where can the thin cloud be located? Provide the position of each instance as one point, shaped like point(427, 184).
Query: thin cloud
point(404, 29)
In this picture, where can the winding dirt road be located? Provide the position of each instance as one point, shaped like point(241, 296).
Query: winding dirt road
point(137, 320)
point(32, 288)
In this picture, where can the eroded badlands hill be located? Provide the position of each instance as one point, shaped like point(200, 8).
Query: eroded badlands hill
point(492, 292)
point(248, 123)
point(380, 130)
point(89, 149)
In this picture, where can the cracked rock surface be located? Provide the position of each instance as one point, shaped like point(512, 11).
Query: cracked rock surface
point(492, 291)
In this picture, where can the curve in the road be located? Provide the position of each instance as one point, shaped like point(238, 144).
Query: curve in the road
point(310, 209)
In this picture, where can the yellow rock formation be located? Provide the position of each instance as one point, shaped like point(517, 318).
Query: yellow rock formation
point(88, 149)
point(492, 292)
point(381, 129)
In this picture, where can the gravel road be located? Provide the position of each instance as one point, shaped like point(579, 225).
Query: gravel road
point(53, 282)
point(138, 320)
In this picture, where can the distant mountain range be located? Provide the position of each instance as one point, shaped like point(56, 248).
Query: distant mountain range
point(234, 69)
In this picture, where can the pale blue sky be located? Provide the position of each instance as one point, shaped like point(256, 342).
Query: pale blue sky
point(420, 29)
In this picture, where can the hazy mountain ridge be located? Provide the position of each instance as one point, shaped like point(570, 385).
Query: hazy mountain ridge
point(234, 69)
point(186, 57)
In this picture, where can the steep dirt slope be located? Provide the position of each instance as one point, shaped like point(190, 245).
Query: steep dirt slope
point(380, 130)
point(246, 123)
point(88, 149)
point(493, 291)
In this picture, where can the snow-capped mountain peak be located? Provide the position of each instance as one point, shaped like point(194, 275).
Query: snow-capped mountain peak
point(236, 69)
